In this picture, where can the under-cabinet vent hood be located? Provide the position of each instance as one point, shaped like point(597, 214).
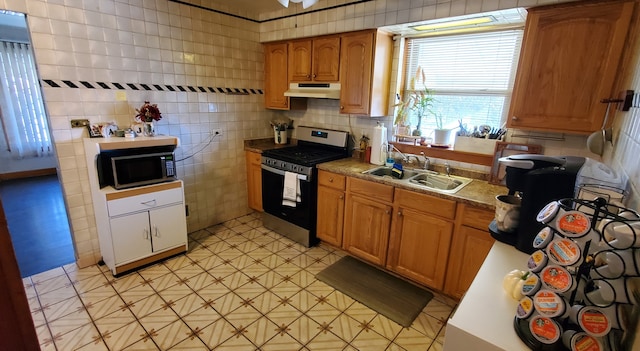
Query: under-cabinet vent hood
point(314, 90)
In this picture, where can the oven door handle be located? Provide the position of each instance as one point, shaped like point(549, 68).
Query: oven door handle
point(302, 177)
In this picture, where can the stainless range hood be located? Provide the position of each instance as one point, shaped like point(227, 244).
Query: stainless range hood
point(314, 90)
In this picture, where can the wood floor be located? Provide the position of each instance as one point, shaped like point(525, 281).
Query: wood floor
point(38, 223)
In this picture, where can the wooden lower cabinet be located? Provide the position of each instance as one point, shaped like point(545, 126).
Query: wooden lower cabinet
point(436, 242)
point(254, 180)
point(330, 213)
point(366, 229)
point(470, 246)
point(420, 241)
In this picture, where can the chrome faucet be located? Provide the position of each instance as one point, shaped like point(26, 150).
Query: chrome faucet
point(447, 168)
point(404, 157)
point(426, 161)
point(413, 156)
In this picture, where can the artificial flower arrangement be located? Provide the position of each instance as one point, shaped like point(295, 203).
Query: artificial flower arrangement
point(148, 113)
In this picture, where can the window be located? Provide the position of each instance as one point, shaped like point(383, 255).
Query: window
point(22, 114)
point(471, 76)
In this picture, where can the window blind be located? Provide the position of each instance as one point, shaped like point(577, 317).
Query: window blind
point(471, 75)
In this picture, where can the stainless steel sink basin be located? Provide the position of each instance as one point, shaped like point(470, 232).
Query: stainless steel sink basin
point(443, 183)
point(424, 179)
point(386, 172)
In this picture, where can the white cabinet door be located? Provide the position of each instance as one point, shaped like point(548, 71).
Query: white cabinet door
point(131, 237)
point(168, 227)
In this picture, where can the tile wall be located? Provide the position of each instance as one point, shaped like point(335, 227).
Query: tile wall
point(159, 42)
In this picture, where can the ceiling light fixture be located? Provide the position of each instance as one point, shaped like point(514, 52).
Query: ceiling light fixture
point(453, 24)
point(305, 3)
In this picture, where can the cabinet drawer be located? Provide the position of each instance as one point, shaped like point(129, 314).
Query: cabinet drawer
point(331, 180)
point(253, 157)
point(371, 190)
point(477, 218)
point(143, 202)
point(426, 203)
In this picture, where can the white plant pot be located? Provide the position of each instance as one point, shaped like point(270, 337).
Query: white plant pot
point(442, 136)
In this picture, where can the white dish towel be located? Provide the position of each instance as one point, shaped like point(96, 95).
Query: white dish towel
point(291, 189)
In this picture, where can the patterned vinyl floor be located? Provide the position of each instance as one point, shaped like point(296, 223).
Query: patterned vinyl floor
point(240, 287)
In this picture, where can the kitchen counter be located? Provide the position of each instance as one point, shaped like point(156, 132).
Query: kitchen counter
point(259, 145)
point(478, 193)
point(483, 320)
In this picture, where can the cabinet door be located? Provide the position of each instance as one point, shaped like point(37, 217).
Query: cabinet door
point(330, 215)
point(275, 76)
point(569, 61)
point(326, 59)
point(469, 249)
point(366, 229)
point(168, 227)
point(254, 181)
point(355, 79)
point(419, 247)
point(300, 61)
point(131, 237)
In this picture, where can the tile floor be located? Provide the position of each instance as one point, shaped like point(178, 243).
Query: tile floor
point(240, 287)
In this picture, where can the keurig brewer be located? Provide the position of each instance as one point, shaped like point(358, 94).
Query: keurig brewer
point(538, 180)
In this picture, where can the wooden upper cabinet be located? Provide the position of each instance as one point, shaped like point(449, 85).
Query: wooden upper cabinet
point(275, 72)
point(569, 62)
point(315, 60)
point(365, 69)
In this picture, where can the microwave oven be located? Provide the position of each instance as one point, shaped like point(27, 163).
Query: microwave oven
point(127, 168)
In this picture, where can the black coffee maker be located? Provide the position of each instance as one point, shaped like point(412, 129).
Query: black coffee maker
point(538, 180)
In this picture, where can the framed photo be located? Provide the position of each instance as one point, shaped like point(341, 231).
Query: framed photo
point(503, 149)
point(95, 130)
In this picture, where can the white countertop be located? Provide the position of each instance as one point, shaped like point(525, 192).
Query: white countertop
point(484, 317)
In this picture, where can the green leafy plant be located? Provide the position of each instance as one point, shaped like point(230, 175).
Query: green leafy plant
point(419, 99)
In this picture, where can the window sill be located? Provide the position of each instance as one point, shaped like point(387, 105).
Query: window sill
point(447, 154)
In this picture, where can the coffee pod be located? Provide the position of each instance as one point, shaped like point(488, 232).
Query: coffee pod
point(531, 285)
point(557, 279)
point(549, 212)
point(594, 320)
point(543, 238)
point(525, 308)
point(545, 329)
point(537, 261)
point(579, 341)
point(573, 224)
point(564, 252)
point(549, 304)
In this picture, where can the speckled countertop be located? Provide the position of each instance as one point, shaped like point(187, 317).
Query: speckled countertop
point(478, 193)
point(258, 145)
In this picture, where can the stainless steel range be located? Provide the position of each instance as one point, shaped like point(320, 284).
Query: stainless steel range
point(289, 181)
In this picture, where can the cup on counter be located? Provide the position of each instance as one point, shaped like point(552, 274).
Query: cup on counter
point(507, 212)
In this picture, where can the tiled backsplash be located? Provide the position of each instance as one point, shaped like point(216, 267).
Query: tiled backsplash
point(167, 43)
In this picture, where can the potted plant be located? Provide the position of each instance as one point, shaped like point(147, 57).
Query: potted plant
point(419, 99)
point(441, 135)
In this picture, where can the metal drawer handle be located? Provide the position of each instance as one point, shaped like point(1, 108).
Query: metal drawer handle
point(149, 203)
point(146, 233)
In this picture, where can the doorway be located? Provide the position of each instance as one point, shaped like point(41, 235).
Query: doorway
point(29, 187)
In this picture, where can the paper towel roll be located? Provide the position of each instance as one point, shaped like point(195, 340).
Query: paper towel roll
point(379, 145)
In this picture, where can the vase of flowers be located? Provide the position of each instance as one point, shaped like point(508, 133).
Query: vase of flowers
point(147, 114)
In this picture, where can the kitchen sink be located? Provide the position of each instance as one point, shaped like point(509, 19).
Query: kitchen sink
point(386, 172)
point(440, 182)
point(424, 179)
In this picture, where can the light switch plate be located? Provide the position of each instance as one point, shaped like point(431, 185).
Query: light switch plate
point(79, 123)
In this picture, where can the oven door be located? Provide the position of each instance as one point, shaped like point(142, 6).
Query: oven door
point(304, 214)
